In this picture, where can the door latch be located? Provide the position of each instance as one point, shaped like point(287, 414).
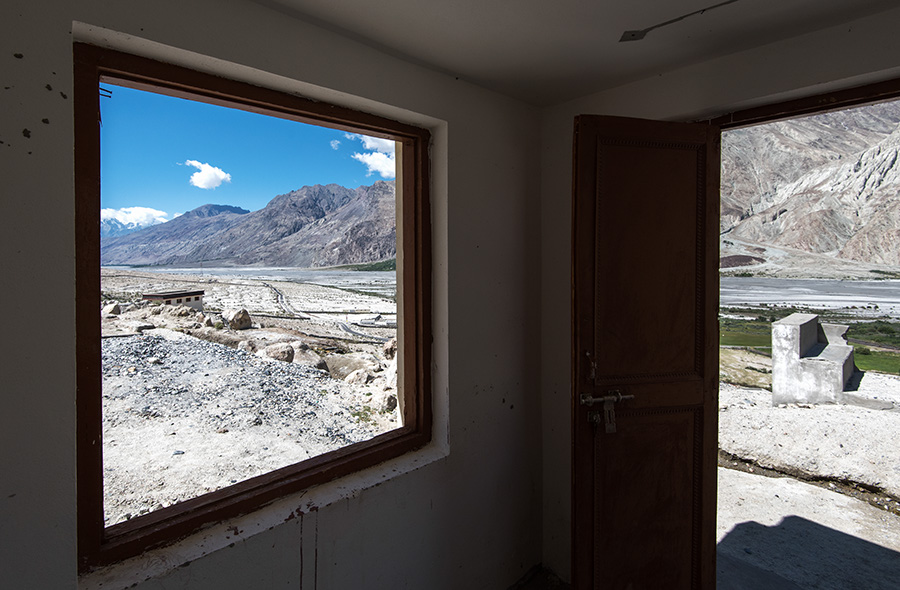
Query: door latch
point(609, 411)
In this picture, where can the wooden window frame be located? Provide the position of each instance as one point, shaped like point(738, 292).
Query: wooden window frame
point(837, 100)
point(99, 545)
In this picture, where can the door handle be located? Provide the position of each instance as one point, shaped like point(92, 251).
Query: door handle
point(609, 411)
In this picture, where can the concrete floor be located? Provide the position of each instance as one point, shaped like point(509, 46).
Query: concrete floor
point(783, 534)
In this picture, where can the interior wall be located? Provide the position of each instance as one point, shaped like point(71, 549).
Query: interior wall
point(863, 51)
point(462, 516)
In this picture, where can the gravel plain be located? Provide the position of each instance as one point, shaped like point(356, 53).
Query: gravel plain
point(182, 417)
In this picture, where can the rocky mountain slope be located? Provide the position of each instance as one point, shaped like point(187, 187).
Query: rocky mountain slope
point(827, 185)
point(313, 226)
point(110, 228)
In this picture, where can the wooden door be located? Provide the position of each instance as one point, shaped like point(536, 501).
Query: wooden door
point(645, 297)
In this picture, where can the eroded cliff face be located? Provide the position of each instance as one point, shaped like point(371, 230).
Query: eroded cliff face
point(827, 184)
point(313, 226)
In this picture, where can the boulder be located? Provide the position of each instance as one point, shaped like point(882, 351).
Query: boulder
point(112, 309)
point(178, 311)
point(280, 351)
point(304, 356)
point(390, 375)
point(390, 403)
point(390, 349)
point(358, 377)
point(384, 402)
point(341, 365)
point(248, 345)
point(218, 336)
point(237, 319)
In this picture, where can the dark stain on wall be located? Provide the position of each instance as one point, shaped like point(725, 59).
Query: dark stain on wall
point(26, 133)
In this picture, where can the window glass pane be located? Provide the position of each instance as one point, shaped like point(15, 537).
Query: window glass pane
point(289, 230)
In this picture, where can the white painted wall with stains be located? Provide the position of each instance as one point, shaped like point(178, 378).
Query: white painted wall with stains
point(460, 513)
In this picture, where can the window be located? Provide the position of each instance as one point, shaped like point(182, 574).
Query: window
point(99, 544)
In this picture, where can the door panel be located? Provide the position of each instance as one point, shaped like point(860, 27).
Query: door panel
point(645, 293)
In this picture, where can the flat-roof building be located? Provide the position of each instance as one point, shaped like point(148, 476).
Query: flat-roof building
point(190, 298)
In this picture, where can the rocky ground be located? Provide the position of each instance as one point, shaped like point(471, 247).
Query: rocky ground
point(193, 402)
point(848, 446)
point(183, 416)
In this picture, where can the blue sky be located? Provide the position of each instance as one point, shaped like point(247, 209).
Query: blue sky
point(163, 156)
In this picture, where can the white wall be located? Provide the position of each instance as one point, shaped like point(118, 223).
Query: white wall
point(860, 52)
point(467, 519)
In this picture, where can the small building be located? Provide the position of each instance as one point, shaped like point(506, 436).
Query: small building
point(190, 298)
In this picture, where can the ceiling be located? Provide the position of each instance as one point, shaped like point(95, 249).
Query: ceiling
point(548, 51)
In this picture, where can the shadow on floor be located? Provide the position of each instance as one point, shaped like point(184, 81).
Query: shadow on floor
point(540, 578)
point(797, 554)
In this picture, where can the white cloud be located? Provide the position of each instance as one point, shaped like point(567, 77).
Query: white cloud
point(385, 146)
point(208, 176)
point(137, 216)
point(379, 156)
point(383, 164)
point(335, 144)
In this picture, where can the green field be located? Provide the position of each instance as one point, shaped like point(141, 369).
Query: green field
point(747, 339)
point(757, 333)
point(883, 362)
point(879, 332)
point(384, 265)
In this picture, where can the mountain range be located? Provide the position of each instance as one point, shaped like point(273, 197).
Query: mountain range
point(321, 225)
point(826, 184)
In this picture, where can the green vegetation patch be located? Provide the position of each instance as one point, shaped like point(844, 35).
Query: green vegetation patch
point(876, 360)
point(757, 333)
point(886, 274)
point(877, 332)
point(383, 265)
point(751, 333)
point(748, 340)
